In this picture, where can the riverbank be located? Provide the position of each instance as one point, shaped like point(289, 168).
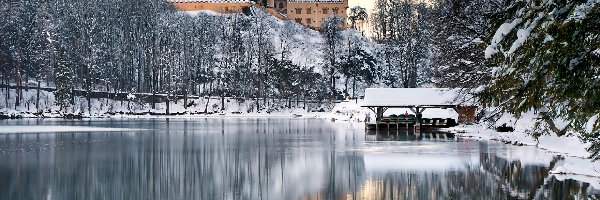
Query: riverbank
point(573, 163)
point(135, 107)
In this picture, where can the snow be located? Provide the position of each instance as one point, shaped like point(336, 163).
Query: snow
point(207, 12)
point(416, 97)
point(580, 12)
point(467, 62)
point(499, 36)
point(111, 108)
point(548, 38)
point(589, 127)
point(54, 129)
point(523, 34)
point(596, 52)
point(130, 96)
point(347, 111)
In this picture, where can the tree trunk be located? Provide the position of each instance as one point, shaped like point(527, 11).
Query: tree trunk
point(222, 102)
point(89, 100)
point(73, 96)
point(37, 99)
point(346, 93)
point(332, 79)
point(305, 102)
point(107, 93)
point(168, 106)
point(354, 89)
point(7, 93)
point(208, 100)
point(185, 99)
point(18, 89)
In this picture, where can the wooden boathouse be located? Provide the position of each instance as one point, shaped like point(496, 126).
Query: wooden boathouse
point(417, 100)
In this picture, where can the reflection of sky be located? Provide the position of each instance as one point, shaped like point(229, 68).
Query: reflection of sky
point(375, 162)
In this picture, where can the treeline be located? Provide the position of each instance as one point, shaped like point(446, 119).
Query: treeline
point(437, 43)
point(142, 46)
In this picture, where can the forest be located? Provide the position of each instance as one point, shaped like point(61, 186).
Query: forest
point(147, 47)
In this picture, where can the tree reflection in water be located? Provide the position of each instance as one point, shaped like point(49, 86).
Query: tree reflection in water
point(264, 159)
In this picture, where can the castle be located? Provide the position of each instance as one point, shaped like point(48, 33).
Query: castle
point(309, 13)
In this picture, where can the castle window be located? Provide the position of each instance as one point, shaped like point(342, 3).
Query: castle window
point(309, 11)
point(336, 10)
point(281, 5)
point(298, 10)
point(325, 11)
point(298, 20)
point(308, 21)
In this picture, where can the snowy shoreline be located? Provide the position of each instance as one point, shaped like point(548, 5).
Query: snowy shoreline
point(574, 162)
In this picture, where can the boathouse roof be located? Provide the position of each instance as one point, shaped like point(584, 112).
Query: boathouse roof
point(417, 97)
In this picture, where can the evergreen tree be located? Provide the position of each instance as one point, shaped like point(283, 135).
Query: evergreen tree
point(331, 32)
point(404, 28)
point(64, 77)
point(460, 28)
point(547, 60)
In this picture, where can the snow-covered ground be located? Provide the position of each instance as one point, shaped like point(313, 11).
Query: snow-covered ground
point(114, 108)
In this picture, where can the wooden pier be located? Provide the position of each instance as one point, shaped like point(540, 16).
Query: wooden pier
point(426, 123)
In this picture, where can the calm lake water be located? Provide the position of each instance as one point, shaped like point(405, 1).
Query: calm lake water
point(218, 158)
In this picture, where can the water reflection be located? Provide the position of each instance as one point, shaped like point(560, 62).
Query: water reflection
point(408, 135)
point(265, 159)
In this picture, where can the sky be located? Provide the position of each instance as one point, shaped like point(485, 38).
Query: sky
point(368, 4)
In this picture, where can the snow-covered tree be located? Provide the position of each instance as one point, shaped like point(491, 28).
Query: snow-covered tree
point(404, 27)
point(460, 28)
point(64, 78)
point(546, 58)
point(331, 31)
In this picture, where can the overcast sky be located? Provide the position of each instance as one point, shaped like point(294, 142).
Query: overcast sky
point(368, 4)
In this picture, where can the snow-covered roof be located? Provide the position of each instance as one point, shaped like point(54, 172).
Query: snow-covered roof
point(413, 97)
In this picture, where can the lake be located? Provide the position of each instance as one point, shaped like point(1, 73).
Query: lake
point(265, 158)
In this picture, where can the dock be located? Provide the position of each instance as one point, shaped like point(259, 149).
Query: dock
point(426, 123)
point(417, 100)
